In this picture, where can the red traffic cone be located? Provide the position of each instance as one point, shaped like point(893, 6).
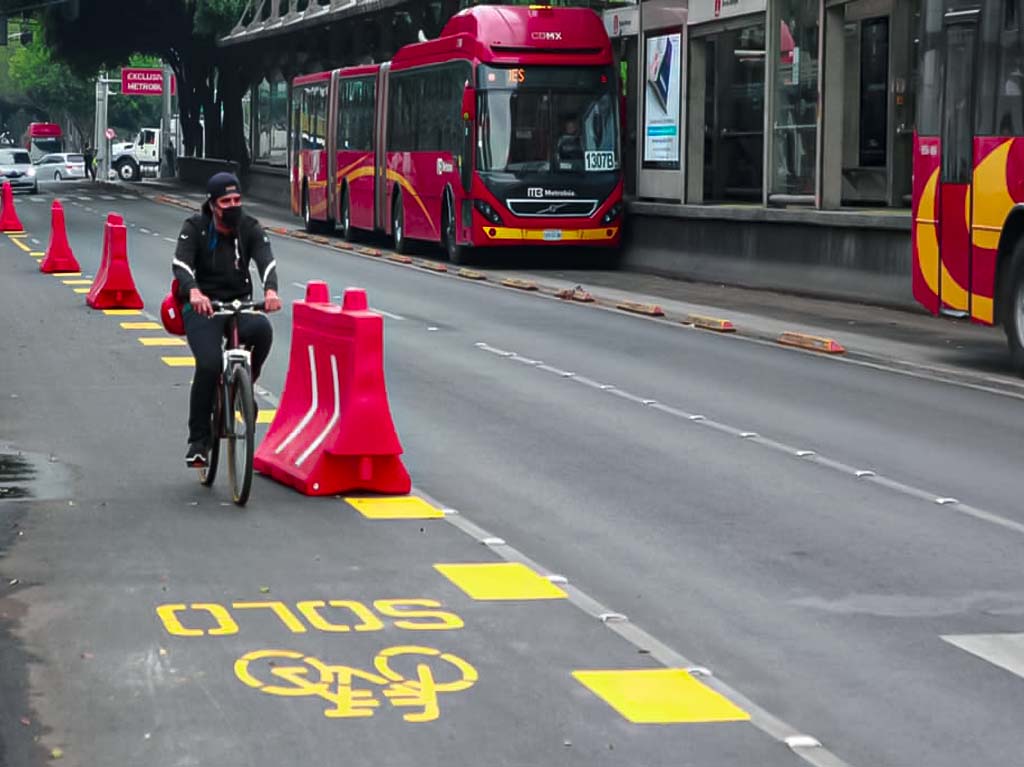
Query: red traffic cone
point(59, 257)
point(113, 287)
point(113, 219)
point(9, 221)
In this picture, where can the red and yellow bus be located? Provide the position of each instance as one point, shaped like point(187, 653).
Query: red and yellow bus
point(968, 195)
point(502, 131)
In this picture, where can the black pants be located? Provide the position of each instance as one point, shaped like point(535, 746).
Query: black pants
point(204, 336)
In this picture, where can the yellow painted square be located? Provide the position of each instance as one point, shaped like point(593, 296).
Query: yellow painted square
point(141, 325)
point(399, 507)
point(660, 696)
point(500, 580)
point(82, 291)
point(266, 416)
point(122, 312)
point(77, 282)
point(179, 362)
point(162, 341)
point(66, 274)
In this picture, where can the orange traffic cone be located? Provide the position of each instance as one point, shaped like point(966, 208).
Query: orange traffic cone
point(113, 286)
point(9, 221)
point(59, 257)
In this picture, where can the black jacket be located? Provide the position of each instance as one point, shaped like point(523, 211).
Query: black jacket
point(217, 263)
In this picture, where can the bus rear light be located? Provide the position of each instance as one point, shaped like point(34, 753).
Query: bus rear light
point(488, 212)
point(613, 213)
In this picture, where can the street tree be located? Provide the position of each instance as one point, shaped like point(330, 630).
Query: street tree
point(103, 34)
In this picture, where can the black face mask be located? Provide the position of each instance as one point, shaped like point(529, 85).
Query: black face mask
point(231, 217)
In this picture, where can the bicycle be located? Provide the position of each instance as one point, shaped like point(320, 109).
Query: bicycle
point(234, 410)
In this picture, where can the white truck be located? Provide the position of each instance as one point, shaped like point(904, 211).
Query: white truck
point(132, 160)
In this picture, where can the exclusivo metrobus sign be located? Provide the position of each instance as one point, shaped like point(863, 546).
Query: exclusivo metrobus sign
point(139, 81)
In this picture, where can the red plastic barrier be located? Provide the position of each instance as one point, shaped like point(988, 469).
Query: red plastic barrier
point(333, 431)
point(9, 221)
point(59, 256)
point(113, 286)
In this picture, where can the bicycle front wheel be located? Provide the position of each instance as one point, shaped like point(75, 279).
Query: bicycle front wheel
point(242, 436)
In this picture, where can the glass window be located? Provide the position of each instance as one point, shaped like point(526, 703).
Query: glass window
point(356, 114)
point(930, 73)
point(263, 122)
point(957, 129)
point(734, 115)
point(424, 109)
point(795, 131)
point(311, 100)
point(533, 128)
point(874, 92)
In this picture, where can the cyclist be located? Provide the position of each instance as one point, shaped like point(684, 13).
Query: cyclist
point(211, 261)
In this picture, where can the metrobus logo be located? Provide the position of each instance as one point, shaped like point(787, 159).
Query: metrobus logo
point(546, 35)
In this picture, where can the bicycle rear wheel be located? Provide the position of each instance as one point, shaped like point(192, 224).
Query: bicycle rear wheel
point(242, 435)
point(209, 473)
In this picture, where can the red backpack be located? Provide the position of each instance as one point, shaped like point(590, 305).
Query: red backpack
point(170, 312)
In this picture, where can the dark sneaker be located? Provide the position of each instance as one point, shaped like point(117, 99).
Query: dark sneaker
point(197, 455)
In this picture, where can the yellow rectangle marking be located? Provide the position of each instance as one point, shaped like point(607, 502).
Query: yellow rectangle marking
point(163, 341)
point(122, 312)
point(21, 245)
point(660, 696)
point(37, 253)
point(402, 507)
point(500, 580)
point(266, 416)
point(81, 290)
point(77, 282)
point(141, 325)
point(179, 362)
point(66, 274)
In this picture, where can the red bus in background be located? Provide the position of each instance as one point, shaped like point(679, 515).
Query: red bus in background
point(502, 131)
point(42, 139)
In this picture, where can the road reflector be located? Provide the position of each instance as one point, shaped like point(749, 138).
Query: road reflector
point(398, 258)
point(512, 282)
point(433, 266)
point(812, 343)
point(370, 252)
point(660, 696)
point(341, 245)
point(141, 325)
point(711, 323)
point(651, 310)
point(320, 240)
point(398, 507)
point(500, 581)
point(122, 312)
point(469, 274)
point(179, 362)
point(575, 294)
point(163, 341)
point(77, 282)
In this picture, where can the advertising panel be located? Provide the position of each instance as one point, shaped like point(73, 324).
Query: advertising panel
point(661, 98)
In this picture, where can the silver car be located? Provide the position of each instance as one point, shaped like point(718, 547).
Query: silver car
point(16, 167)
point(57, 167)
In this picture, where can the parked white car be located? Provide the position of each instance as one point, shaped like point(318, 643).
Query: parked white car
point(57, 167)
point(16, 167)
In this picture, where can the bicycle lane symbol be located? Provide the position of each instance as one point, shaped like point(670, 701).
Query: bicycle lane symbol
point(349, 690)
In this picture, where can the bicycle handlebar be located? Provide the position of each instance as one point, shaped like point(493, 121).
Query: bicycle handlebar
point(237, 307)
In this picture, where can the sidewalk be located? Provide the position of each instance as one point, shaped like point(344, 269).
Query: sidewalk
point(911, 341)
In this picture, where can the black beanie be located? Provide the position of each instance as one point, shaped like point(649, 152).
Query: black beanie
point(221, 184)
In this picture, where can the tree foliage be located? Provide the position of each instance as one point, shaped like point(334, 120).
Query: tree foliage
point(51, 87)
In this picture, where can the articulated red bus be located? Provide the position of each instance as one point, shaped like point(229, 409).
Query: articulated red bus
point(502, 131)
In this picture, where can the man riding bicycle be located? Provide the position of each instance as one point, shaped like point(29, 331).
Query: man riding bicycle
point(211, 262)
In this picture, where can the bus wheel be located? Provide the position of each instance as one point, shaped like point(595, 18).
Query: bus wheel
point(311, 224)
point(347, 232)
point(398, 227)
point(457, 254)
point(1013, 308)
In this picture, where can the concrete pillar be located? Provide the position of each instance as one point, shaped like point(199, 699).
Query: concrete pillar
point(833, 77)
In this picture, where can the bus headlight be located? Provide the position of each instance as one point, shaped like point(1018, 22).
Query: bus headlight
point(487, 211)
point(613, 213)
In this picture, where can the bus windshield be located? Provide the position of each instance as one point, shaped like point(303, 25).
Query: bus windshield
point(48, 145)
point(547, 119)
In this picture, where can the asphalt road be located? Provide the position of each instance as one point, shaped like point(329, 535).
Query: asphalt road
point(838, 544)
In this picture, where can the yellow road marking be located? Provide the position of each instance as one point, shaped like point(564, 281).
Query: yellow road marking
point(163, 341)
point(141, 325)
point(500, 580)
point(21, 245)
point(179, 362)
point(66, 274)
point(266, 416)
point(660, 696)
point(77, 282)
point(122, 312)
point(82, 290)
point(406, 507)
point(37, 253)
